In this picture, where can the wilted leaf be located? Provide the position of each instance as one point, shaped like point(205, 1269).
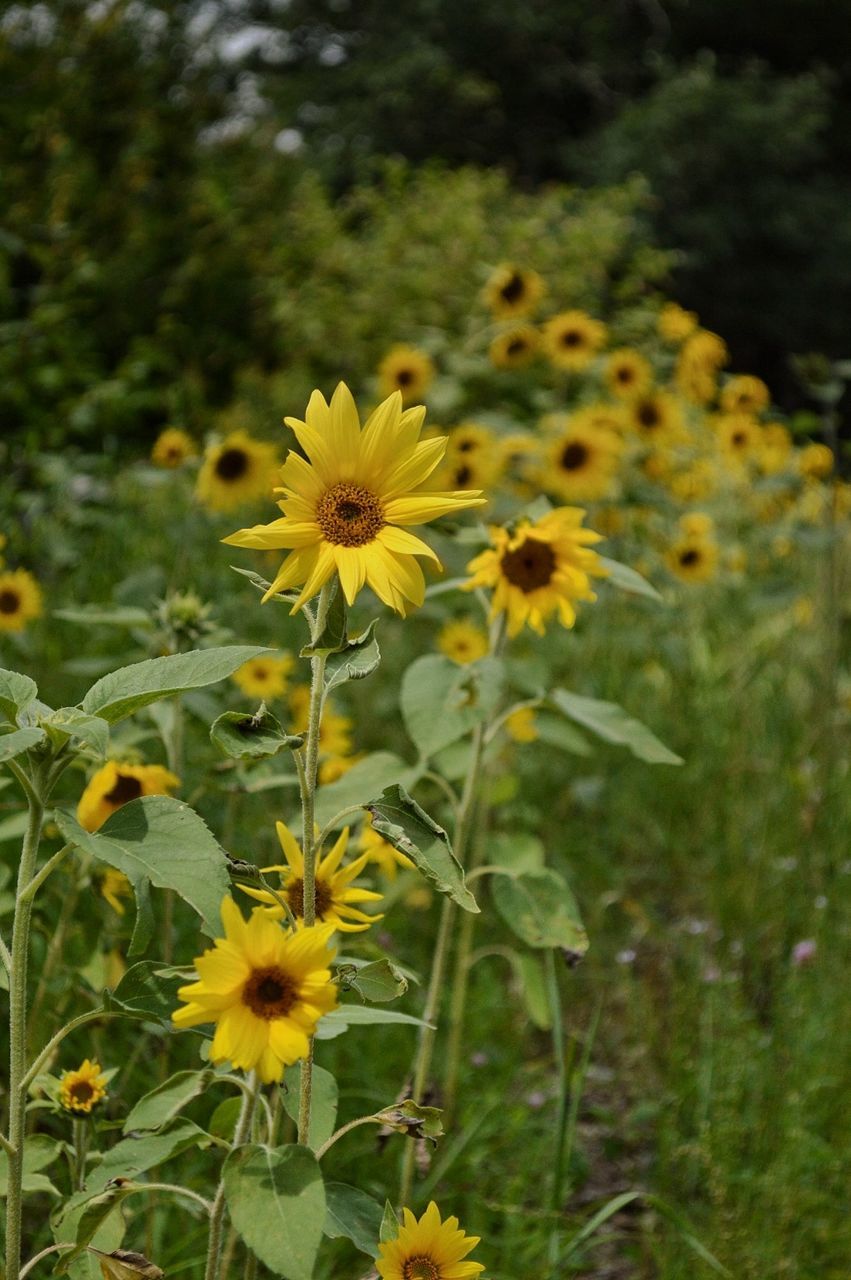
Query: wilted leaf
point(413, 1120)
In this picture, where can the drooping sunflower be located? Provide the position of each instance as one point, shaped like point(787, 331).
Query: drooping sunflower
point(628, 374)
point(514, 348)
point(745, 394)
point(381, 852)
point(581, 462)
point(656, 417)
point(462, 641)
point(693, 559)
point(264, 988)
point(346, 507)
point(572, 339)
point(408, 371)
point(115, 784)
point(513, 291)
point(172, 448)
point(81, 1090)
point(428, 1249)
point(20, 599)
point(538, 569)
point(676, 324)
point(335, 893)
point(264, 677)
point(237, 470)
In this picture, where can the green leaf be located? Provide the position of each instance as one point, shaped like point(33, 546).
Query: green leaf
point(277, 1204)
point(358, 659)
point(397, 817)
point(143, 993)
point(71, 722)
point(378, 981)
point(350, 1212)
point(441, 701)
point(244, 736)
point(540, 908)
point(369, 776)
point(333, 636)
point(560, 733)
point(516, 852)
point(611, 723)
point(323, 1103)
point(135, 1155)
point(389, 1224)
point(160, 840)
point(16, 693)
point(620, 575)
point(362, 1015)
point(18, 741)
point(127, 690)
point(96, 615)
point(534, 987)
point(162, 1104)
point(261, 585)
point(81, 1218)
point(413, 1120)
point(224, 1119)
point(39, 1152)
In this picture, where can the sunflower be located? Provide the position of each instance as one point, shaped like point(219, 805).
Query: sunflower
point(628, 373)
point(344, 507)
point(406, 370)
point(467, 439)
point(815, 462)
point(739, 436)
point(676, 324)
point(462, 641)
point(381, 852)
point(581, 462)
point(700, 358)
point(265, 989)
point(520, 725)
point(20, 599)
point(237, 470)
point(264, 677)
point(696, 524)
point(693, 559)
point(83, 1089)
point(695, 483)
point(572, 339)
point(428, 1249)
point(172, 448)
point(745, 394)
point(775, 448)
point(512, 291)
point(539, 569)
point(656, 417)
point(515, 347)
point(334, 894)
point(114, 886)
point(114, 784)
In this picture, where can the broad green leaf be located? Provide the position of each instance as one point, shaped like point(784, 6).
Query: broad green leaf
point(277, 1205)
point(163, 1103)
point(71, 722)
point(97, 615)
point(362, 1015)
point(244, 736)
point(360, 658)
point(224, 1119)
point(350, 1212)
point(333, 636)
point(16, 693)
point(620, 575)
point(534, 987)
point(540, 908)
point(441, 701)
point(413, 1120)
point(127, 690)
point(136, 1155)
point(18, 741)
point(81, 1218)
point(369, 776)
point(39, 1153)
point(160, 840)
point(378, 981)
point(389, 1224)
point(516, 852)
point(611, 723)
point(397, 817)
point(559, 732)
point(323, 1102)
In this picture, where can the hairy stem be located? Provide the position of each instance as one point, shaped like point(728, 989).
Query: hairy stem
point(217, 1212)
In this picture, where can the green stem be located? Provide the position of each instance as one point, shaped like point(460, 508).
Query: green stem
point(81, 1143)
point(39, 878)
point(554, 1001)
point(217, 1212)
point(459, 985)
point(335, 1137)
point(93, 1015)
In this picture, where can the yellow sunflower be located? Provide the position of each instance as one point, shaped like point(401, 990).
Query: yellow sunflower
point(656, 417)
point(334, 891)
point(539, 569)
point(462, 641)
point(775, 448)
point(739, 437)
point(695, 483)
point(264, 988)
point(235, 471)
point(345, 508)
point(428, 1249)
point(115, 784)
point(408, 371)
point(693, 559)
point(20, 599)
point(572, 339)
point(83, 1089)
point(581, 462)
point(467, 439)
point(512, 291)
point(700, 358)
point(515, 347)
point(815, 461)
point(172, 448)
point(745, 394)
point(114, 886)
point(696, 524)
point(381, 852)
point(676, 324)
point(520, 725)
point(264, 677)
point(628, 373)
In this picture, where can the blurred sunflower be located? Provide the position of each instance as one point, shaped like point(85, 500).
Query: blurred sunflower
point(512, 291)
point(675, 324)
point(264, 677)
point(693, 559)
point(343, 507)
point(656, 417)
point(739, 437)
point(520, 725)
point(572, 339)
point(775, 448)
point(815, 461)
point(428, 1249)
point(745, 394)
point(702, 355)
point(581, 463)
point(515, 348)
point(114, 886)
point(469, 438)
point(628, 374)
point(462, 641)
point(408, 371)
point(81, 1090)
point(20, 599)
point(696, 524)
point(381, 852)
point(172, 448)
point(116, 784)
point(236, 470)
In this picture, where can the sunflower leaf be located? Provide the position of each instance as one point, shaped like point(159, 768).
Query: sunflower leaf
point(441, 701)
point(620, 575)
point(141, 993)
point(413, 1120)
point(333, 636)
point(359, 658)
point(71, 722)
point(323, 1107)
point(18, 741)
point(16, 693)
point(289, 597)
point(350, 1212)
point(162, 1104)
point(540, 908)
point(244, 736)
point(276, 1200)
point(611, 723)
point(378, 981)
point(398, 817)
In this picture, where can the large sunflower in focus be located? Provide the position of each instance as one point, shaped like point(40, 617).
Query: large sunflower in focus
point(428, 1249)
point(347, 504)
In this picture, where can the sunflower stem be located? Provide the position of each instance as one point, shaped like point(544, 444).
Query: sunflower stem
point(217, 1212)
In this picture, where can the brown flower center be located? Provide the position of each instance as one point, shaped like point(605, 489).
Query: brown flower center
point(81, 1091)
point(420, 1268)
point(349, 515)
point(513, 289)
point(404, 377)
point(689, 558)
point(739, 439)
point(126, 788)
point(462, 475)
point(295, 898)
point(571, 338)
point(516, 347)
point(529, 566)
point(574, 456)
point(269, 993)
point(10, 601)
point(648, 415)
point(231, 464)
point(624, 373)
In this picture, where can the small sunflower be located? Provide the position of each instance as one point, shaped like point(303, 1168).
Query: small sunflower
point(467, 440)
point(815, 461)
point(775, 448)
point(628, 374)
point(462, 641)
point(739, 437)
point(408, 371)
point(237, 470)
point(514, 348)
point(656, 417)
point(745, 394)
point(114, 886)
point(581, 462)
point(475, 468)
point(572, 339)
point(381, 852)
point(702, 355)
point(172, 448)
point(81, 1090)
point(512, 291)
point(20, 599)
point(695, 483)
point(264, 677)
point(265, 989)
point(520, 725)
point(115, 784)
point(346, 508)
point(428, 1249)
point(693, 559)
point(676, 324)
point(539, 569)
point(334, 892)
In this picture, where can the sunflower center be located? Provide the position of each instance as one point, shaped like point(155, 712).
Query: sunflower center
point(624, 374)
point(529, 566)
point(10, 601)
point(512, 290)
point(126, 788)
point(571, 338)
point(269, 993)
point(648, 415)
point(420, 1268)
point(404, 377)
point(689, 558)
point(516, 347)
point(574, 456)
point(232, 464)
point(295, 897)
point(739, 438)
point(349, 515)
point(463, 474)
point(81, 1091)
